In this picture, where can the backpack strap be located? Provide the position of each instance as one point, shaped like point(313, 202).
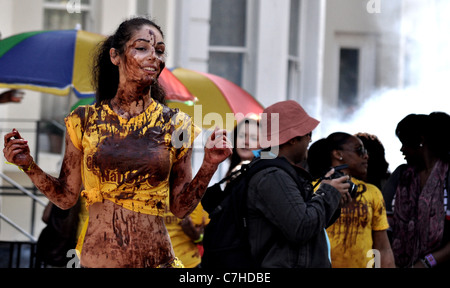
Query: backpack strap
point(214, 194)
point(280, 162)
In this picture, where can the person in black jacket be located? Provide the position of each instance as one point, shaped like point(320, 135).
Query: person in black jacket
point(287, 221)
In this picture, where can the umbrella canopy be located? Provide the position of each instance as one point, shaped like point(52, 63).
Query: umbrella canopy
point(49, 61)
point(175, 90)
point(57, 61)
point(216, 96)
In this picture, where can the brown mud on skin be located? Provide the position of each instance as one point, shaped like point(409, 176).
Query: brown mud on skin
point(135, 59)
point(122, 227)
point(194, 189)
point(146, 150)
point(145, 154)
point(58, 189)
point(125, 239)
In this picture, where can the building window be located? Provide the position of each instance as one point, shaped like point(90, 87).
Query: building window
point(66, 14)
point(348, 78)
point(355, 72)
point(293, 85)
point(228, 36)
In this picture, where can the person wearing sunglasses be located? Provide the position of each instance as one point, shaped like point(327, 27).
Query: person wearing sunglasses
point(359, 237)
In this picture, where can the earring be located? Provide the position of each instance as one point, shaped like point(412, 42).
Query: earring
point(340, 158)
point(420, 145)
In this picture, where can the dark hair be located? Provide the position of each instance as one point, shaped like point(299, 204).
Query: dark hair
point(319, 153)
point(106, 74)
point(319, 160)
point(411, 130)
point(377, 168)
point(437, 134)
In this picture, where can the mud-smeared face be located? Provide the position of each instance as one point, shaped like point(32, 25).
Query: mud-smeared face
point(144, 57)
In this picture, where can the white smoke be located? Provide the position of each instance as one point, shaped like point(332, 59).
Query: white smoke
point(426, 31)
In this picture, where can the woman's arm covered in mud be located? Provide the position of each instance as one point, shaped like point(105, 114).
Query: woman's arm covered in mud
point(186, 193)
point(64, 190)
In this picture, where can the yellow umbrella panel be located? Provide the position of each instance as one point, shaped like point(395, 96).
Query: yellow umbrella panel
point(220, 102)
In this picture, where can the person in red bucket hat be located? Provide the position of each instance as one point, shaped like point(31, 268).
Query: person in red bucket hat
point(289, 121)
point(287, 220)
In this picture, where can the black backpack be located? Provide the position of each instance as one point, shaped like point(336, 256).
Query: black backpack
point(225, 239)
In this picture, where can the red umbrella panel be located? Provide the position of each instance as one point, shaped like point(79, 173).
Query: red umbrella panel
point(175, 90)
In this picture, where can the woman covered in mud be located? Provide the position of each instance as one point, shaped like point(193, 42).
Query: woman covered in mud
point(363, 223)
point(128, 152)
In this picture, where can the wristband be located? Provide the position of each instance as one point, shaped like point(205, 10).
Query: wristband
point(200, 239)
point(430, 260)
point(23, 169)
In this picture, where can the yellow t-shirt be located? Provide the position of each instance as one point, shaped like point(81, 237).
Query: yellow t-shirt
point(185, 249)
point(351, 235)
point(128, 162)
point(125, 161)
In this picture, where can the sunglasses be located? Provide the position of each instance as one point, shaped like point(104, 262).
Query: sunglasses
point(361, 151)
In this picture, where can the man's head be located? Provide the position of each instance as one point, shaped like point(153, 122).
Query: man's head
point(287, 123)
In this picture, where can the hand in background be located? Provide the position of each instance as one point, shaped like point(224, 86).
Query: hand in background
point(13, 95)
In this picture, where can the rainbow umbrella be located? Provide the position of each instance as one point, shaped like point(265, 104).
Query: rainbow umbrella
point(58, 61)
point(220, 101)
point(54, 62)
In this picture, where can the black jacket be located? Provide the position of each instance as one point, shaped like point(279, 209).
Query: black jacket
point(286, 222)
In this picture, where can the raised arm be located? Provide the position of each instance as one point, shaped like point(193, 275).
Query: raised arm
point(64, 190)
point(186, 192)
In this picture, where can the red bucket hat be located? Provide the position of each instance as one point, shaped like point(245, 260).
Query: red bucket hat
point(293, 121)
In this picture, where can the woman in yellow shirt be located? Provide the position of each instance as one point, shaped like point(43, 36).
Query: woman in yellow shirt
point(360, 233)
point(129, 151)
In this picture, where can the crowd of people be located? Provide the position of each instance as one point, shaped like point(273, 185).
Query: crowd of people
point(124, 155)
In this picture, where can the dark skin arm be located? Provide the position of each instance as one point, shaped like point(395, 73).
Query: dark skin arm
point(63, 190)
point(186, 194)
point(381, 243)
point(442, 255)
